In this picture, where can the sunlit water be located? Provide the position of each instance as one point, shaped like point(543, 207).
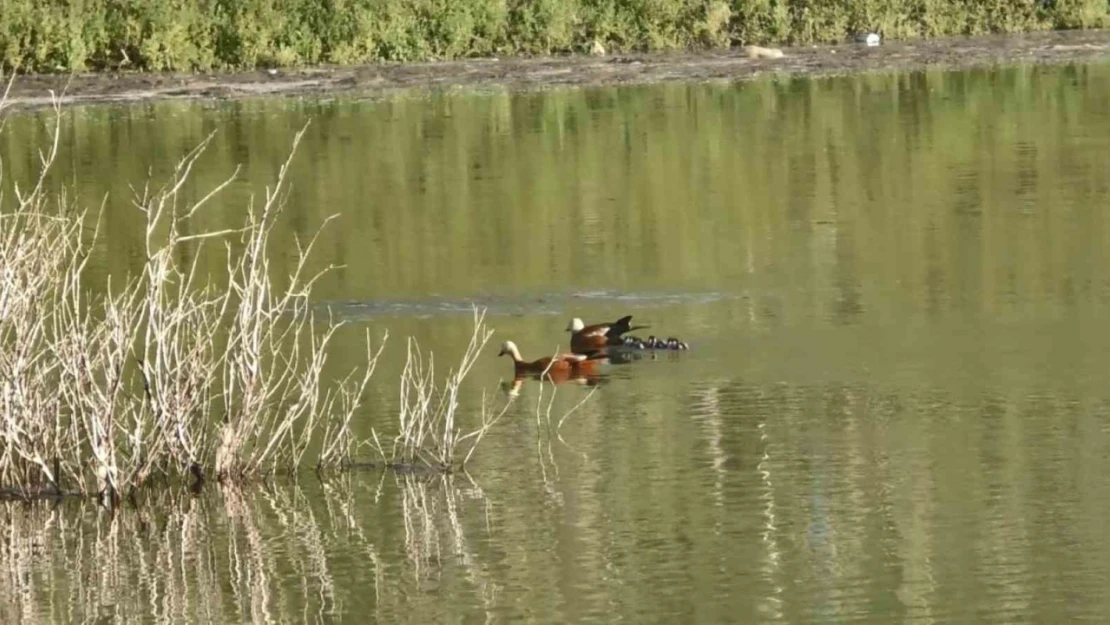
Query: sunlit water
point(896, 290)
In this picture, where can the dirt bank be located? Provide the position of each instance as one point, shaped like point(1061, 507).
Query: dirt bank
point(31, 91)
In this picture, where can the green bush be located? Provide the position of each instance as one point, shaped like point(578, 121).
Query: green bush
point(67, 35)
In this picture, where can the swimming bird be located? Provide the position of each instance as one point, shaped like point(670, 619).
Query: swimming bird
point(558, 365)
point(632, 341)
point(587, 339)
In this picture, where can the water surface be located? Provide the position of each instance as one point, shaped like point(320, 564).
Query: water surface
point(896, 288)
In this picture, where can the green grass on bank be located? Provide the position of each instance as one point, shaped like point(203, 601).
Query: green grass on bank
point(67, 35)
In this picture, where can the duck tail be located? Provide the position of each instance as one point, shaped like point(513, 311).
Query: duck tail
point(620, 326)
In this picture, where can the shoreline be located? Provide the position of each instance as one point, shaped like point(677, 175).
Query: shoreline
point(32, 91)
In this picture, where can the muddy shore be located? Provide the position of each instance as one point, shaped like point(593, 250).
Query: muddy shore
point(32, 91)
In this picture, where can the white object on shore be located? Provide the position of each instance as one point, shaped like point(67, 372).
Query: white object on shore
point(759, 52)
point(871, 39)
point(597, 49)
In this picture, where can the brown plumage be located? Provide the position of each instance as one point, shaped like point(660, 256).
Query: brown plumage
point(589, 339)
point(586, 376)
point(561, 365)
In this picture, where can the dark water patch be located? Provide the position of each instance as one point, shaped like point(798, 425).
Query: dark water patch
point(549, 304)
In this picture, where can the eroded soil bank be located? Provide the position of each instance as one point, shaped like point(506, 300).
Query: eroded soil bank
point(32, 91)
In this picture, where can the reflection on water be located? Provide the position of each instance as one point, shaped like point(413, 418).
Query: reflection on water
point(895, 286)
point(733, 502)
point(278, 554)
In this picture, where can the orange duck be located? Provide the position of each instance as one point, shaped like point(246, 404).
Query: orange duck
point(588, 339)
point(561, 366)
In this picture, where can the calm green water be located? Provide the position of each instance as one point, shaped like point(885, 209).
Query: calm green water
point(896, 288)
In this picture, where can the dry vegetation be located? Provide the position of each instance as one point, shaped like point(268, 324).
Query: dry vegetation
point(164, 374)
point(427, 433)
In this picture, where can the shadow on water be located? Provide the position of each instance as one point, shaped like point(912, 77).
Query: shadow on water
point(548, 304)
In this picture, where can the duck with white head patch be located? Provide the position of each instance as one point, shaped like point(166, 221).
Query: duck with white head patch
point(589, 339)
point(560, 365)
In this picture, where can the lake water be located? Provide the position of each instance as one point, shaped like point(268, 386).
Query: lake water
point(896, 288)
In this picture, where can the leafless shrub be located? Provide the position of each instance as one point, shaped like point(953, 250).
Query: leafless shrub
point(427, 434)
point(169, 373)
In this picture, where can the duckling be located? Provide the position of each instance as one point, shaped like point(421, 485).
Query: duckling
point(629, 342)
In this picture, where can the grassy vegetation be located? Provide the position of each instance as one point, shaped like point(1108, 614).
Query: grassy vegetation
point(67, 35)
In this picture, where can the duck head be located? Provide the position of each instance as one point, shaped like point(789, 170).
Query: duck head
point(509, 347)
point(575, 325)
